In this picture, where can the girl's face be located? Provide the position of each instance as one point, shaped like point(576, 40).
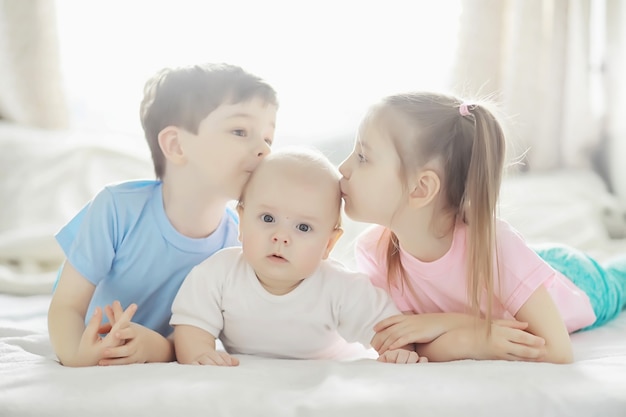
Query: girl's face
point(372, 186)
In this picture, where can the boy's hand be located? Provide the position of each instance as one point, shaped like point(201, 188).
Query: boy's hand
point(130, 342)
point(216, 358)
point(401, 356)
point(92, 346)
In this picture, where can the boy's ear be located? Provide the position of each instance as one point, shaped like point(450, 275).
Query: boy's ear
point(169, 141)
point(334, 237)
point(425, 188)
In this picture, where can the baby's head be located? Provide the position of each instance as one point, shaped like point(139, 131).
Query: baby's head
point(290, 215)
point(185, 96)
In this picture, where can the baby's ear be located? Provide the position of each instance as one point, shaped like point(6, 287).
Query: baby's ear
point(334, 237)
point(169, 142)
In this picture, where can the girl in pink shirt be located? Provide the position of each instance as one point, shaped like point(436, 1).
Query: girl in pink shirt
point(426, 169)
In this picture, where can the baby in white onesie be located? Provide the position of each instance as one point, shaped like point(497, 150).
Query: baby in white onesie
point(279, 295)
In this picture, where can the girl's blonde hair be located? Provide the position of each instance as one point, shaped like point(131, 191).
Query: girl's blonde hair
point(469, 142)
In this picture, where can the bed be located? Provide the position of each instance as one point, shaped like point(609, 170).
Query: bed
point(53, 174)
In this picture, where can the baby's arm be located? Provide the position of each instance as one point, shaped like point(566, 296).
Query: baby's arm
point(197, 347)
point(74, 344)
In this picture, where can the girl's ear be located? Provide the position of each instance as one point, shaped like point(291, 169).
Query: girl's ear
point(334, 237)
point(169, 141)
point(425, 188)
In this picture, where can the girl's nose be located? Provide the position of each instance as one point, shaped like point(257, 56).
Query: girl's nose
point(343, 168)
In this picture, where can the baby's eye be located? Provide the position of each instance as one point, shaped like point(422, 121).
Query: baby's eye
point(304, 227)
point(267, 218)
point(269, 141)
point(240, 132)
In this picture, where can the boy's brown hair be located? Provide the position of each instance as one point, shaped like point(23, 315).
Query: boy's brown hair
point(184, 96)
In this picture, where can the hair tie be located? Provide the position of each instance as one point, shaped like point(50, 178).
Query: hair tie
point(464, 109)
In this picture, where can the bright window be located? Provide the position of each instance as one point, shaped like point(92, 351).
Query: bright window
point(327, 59)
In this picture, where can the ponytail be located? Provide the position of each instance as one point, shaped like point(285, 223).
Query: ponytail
point(478, 207)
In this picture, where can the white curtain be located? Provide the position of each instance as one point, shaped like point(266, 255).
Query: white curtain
point(616, 94)
point(31, 91)
point(534, 58)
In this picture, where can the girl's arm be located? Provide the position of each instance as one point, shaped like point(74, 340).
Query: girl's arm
point(197, 347)
point(451, 336)
point(544, 320)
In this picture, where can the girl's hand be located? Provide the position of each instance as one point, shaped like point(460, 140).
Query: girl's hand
point(404, 329)
point(401, 356)
point(508, 341)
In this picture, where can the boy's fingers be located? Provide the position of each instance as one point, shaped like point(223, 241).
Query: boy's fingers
point(94, 324)
point(110, 314)
point(105, 328)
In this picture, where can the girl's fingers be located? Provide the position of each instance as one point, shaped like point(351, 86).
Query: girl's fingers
point(389, 321)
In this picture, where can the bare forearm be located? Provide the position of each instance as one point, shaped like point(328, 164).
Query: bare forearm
point(66, 328)
point(191, 342)
point(163, 349)
point(447, 347)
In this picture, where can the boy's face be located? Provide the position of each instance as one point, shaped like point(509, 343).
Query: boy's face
point(288, 225)
point(230, 143)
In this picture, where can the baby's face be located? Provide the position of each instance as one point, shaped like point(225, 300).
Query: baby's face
point(288, 225)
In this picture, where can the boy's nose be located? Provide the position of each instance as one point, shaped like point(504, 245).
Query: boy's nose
point(264, 150)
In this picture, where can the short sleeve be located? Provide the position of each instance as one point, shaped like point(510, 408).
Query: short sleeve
point(368, 256)
point(363, 306)
point(199, 299)
point(89, 239)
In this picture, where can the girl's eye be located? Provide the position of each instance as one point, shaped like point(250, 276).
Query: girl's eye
point(240, 132)
point(267, 218)
point(304, 227)
point(361, 157)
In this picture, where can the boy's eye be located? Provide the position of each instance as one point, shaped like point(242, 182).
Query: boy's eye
point(267, 218)
point(240, 132)
point(304, 227)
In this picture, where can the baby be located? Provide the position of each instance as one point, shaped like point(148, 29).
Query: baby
point(279, 295)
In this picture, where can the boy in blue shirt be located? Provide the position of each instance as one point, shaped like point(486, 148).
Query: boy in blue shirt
point(208, 127)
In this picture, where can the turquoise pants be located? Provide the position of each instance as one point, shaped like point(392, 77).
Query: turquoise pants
point(604, 284)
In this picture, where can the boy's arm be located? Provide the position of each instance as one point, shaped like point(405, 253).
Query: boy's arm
point(66, 320)
point(197, 347)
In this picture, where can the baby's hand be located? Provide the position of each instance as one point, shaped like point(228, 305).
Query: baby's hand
point(401, 356)
point(216, 358)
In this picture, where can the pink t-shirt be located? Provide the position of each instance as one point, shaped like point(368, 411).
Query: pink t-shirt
point(441, 284)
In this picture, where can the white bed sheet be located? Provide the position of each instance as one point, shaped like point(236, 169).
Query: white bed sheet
point(33, 383)
point(62, 173)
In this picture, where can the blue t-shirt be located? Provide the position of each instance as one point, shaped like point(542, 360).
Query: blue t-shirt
point(124, 244)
